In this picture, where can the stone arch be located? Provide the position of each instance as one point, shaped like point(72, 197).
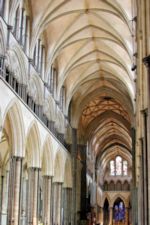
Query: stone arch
point(33, 146)
point(106, 196)
point(118, 195)
point(47, 157)
point(5, 145)
point(14, 113)
point(119, 185)
point(49, 108)
point(111, 185)
point(16, 63)
point(60, 122)
point(126, 186)
point(59, 167)
point(82, 101)
point(35, 89)
point(68, 174)
point(106, 185)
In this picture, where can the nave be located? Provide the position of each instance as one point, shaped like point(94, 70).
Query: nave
point(74, 112)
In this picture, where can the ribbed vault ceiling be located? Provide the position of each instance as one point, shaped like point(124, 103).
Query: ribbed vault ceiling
point(91, 44)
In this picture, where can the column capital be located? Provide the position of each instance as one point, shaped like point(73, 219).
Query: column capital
point(145, 111)
point(30, 60)
point(58, 182)
point(67, 188)
point(34, 168)
point(16, 157)
point(48, 176)
point(146, 61)
point(9, 27)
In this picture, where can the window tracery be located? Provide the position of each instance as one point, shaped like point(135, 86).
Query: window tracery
point(118, 167)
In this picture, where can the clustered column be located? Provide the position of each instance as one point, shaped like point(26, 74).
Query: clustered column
point(101, 215)
point(146, 174)
point(14, 191)
point(110, 215)
point(47, 183)
point(57, 197)
point(33, 176)
point(74, 174)
point(67, 195)
point(127, 216)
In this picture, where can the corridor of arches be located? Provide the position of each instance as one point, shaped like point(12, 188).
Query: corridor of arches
point(74, 112)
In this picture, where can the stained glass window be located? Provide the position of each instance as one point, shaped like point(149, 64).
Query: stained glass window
point(125, 168)
point(112, 168)
point(119, 212)
point(118, 166)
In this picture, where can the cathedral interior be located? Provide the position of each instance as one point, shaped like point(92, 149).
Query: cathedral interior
point(74, 112)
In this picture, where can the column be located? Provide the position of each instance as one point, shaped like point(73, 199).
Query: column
point(26, 33)
point(127, 216)
point(6, 10)
point(21, 25)
point(2, 58)
point(23, 207)
point(101, 215)
point(4, 198)
point(57, 198)
point(83, 182)
point(14, 190)
point(144, 172)
point(134, 194)
point(1, 194)
point(9, 29)
point(47, 183)
point(24, 30)
point(67, 206)
point(146, 61)
point(43, 62)
point(52, 81)
point(110, 215)
point(55, 74)
point(74, 174)
point(32, 206)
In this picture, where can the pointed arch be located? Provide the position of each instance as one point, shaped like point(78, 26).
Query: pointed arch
point(14, 113)
point(33, 146)
point(59, 167)
point(49, 108)
point(47, 157)
point(118, 195)
point(106, 197)
point(36, 89)
point(60, 122)
point(16, 62)
point(68, 174)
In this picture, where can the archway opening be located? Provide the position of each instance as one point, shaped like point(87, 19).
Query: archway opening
point(106, 212)
point(119, 212)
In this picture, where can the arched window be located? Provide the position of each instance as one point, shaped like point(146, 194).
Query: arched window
point(112, 168)
point(118, 167)
point(125, 168)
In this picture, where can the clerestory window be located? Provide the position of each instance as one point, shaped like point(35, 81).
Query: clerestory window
point(118, 167)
